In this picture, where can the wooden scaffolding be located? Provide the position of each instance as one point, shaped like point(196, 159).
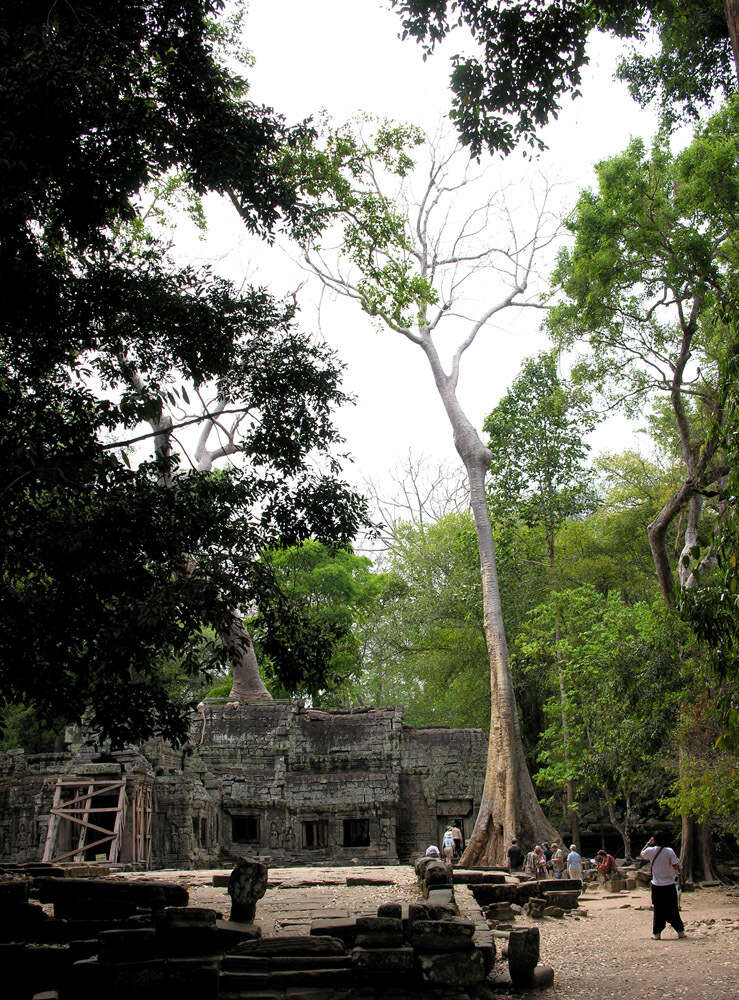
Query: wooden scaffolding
point(94, 816)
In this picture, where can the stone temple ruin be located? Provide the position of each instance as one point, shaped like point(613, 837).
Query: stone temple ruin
point(277, 780)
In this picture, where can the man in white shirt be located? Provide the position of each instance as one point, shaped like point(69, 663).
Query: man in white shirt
point(665, 864)
point(574, 863)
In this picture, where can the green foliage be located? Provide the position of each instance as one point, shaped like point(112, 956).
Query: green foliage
point(332, 591)
point(654, 255)
point(101, 101)
point(538, 449)
point(532, 54)
point(621, 679)
point(424, 646)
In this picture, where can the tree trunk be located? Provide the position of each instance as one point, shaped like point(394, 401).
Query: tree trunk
point(569, 787)
point(686, 847)
point(509, 807)
point(705, 848)
point(731, 11)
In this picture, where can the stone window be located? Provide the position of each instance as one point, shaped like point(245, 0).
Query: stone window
point(356, 833)
point(245, 829)
point(314, 833)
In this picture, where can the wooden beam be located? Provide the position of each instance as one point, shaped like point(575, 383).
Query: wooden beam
point(53, 824)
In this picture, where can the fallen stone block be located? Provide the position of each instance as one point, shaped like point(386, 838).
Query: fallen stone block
point(500, 911)
point(442, 935)
point(231, 933)
point(437, 874)
point(418, 911)
point(386, 925)
point(476, 876)
point(523, 954)
point(143, 893)
point(441, 897)
point(293, 945)
point(246, 886)
point(382, 960)
point(554, 911)
point(565, 900)
point(123, 945)
point(345, 930)
point(186, 916)
point(393, 910)
point(451, 968)
point(368, 880)
point(378, 940)
point(542, 977)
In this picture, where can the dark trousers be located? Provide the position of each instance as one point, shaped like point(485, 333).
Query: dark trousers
point(664, 901)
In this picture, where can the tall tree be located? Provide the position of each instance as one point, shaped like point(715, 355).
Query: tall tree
point(650, 285)
point(411, 271)
point(647, 286)
point(537, 470)
point(532, 53)
point(104, 573)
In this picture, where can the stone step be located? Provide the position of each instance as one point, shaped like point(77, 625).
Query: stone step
point(280, 979)
point(275, 963)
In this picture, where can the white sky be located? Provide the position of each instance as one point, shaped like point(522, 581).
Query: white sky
point(345, 56)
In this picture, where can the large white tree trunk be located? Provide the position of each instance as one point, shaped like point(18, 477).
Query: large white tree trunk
point(509, 806)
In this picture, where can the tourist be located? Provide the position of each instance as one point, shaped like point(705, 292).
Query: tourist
point(432, 851)
point(516, 857)
point(547, 852)
point(540, 862)
point(606, 864)
point(447, 847)
point(665, 865)
point(574, 863)
point(457, 835)
point(529, 865)
point(558, 860)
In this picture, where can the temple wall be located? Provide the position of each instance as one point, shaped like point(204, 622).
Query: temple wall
point(292, 784)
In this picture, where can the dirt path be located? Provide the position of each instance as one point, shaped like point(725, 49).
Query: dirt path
point(607, 955)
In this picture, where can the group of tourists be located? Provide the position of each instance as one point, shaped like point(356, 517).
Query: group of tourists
point(451, 846)
point(549, 861)
point(545, 860)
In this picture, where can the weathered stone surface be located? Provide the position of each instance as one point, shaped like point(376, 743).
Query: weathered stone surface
point(96, 895)
point(394, 910)
point(368, 880)
point(378, 940)
point(123, 945)
point(418, 911)
point(382, 960)
point(345, 930)
point(542, 977)
point(437, 873)
point(500, 911)
point(565, 900)
point(293, 945)
point(441, 897)
point(442, 935)
point(186, 916)
point(523, 954)
point(451, 968)
point(232, 933)
point(247, 885)
point(554, 911)
point(389, 925)
point(477, 876)
point(534, 908)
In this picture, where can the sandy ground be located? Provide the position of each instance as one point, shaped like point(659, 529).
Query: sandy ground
point(607, 954)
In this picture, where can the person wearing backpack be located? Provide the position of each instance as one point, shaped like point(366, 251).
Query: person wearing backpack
point(665, 864)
